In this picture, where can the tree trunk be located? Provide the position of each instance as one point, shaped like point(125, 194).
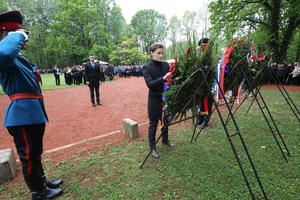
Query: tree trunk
point(298, 52)
point(274, 28)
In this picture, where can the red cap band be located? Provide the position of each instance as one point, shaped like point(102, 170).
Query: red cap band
point(10, 26)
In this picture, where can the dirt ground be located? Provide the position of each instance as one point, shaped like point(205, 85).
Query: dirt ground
point(72, 119)
point(287, 87)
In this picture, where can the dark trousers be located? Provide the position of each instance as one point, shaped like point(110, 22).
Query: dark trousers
point(152, 133)
point(29, 143)
point(57, 79)
point(94, 88)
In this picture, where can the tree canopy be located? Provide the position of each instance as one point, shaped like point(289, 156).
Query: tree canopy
point(150, 26)
point(66, 32)
point(271, 24)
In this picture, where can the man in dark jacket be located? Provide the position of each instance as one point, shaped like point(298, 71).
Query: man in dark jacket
point(92, 74)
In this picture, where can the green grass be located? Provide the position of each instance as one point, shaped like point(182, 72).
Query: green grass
point(202, 170)
point(49, 83)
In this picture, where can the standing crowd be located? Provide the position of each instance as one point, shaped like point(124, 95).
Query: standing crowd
point(287, 73)
point(76, 73)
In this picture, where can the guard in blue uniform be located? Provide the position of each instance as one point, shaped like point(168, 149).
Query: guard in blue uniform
point(25, 116)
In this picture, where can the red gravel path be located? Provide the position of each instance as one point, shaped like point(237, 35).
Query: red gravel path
point(73, 119)
point(287, 87)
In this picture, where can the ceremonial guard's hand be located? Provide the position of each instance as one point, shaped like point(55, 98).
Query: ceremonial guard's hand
point(22, 31)
point(88, 82)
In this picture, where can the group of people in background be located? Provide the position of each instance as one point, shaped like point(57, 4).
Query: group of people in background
point(287, 73)
point(76, 73)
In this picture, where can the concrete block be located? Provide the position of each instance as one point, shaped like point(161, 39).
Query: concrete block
point(130, 128)
point(8, 165)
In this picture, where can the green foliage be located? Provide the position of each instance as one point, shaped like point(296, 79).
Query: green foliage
point(65, 32)
point(3, 6)
point(268, 23)
point(190, 24)
point(127, 53)
point(173, 36)
point(294, 48)
point(188, 87)
point(149, 26)
point(49, 83)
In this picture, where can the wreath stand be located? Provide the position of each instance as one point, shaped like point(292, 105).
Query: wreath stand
point(237, 132)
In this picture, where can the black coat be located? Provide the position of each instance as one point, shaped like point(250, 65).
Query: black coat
point(92, 74)
point(153, 73)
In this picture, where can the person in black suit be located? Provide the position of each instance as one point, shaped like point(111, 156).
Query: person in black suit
point(57, 73)
point(92, 74)
point(156, 72)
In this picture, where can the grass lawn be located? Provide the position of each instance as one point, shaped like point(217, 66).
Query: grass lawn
point(202, 170)
point(49, 83)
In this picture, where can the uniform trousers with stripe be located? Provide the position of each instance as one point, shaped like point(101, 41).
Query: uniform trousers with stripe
point(29, 143)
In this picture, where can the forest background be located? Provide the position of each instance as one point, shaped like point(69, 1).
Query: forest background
point(66, 32)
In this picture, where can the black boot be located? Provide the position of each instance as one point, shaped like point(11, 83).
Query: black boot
point(47, 193)
point(53, 184)
point(38, 188)
point(200, 120)
point(50, 184)
point(205, 121)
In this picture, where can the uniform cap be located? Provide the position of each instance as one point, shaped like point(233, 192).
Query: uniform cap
point(11, 20)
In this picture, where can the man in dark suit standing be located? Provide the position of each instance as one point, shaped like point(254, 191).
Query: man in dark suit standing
point(92, 75)
point(57, 73)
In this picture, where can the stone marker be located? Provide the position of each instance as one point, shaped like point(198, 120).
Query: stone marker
point(130, 128)
point(8, 165)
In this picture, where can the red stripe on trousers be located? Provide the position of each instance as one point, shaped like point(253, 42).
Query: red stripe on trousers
point(205, 104)
point(27, 151)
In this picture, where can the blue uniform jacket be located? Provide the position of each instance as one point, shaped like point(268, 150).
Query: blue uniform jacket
point(17, 76)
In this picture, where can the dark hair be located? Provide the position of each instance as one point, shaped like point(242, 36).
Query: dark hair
point(203, 40)
point(156, 46)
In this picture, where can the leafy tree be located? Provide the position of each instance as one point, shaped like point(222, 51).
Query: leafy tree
point(127, 53)
point(173, 34)
point(3, 6)
point(83, 27)
point(65, 32)
point(273, 22)
point(190, 25)
point(149, 26)
point(38, 14)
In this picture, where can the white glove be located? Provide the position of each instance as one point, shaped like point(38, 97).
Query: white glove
point(22, 31)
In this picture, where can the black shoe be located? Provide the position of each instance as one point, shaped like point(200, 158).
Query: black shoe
point(99, 104)
point(94, 105)
point(154, 154)
point(47, 193)
point(54, 184)
point(205, 121)
point(200, 119)
point(168, 143)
